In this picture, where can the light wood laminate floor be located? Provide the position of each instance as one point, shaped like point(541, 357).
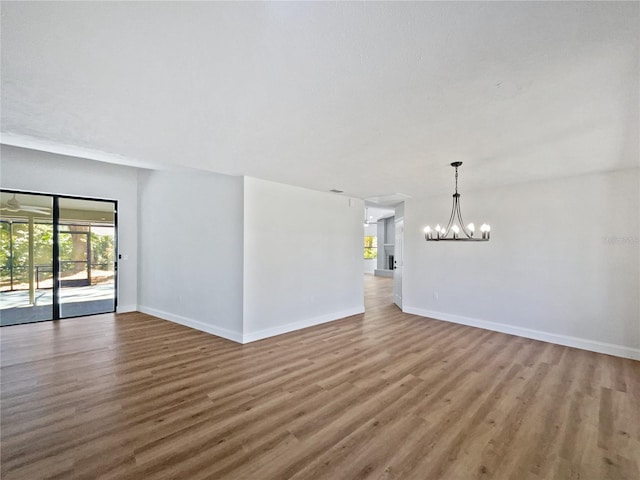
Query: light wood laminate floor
point(384, 395)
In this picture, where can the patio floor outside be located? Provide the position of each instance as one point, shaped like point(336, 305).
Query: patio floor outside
point(74, 301)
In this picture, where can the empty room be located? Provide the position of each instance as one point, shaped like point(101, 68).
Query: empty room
point(320, 240)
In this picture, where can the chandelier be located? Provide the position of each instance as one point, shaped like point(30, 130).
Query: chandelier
point(460, 232)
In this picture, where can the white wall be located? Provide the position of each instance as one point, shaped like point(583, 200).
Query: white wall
point(36, 171)
point(370, 264)
point(302, 262)
point(191, 249)
point(562, 264)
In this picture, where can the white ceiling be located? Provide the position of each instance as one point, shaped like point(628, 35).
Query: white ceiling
point(370, 98)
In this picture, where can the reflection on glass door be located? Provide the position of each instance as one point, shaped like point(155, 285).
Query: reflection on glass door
point(57, 257)
point(26, 258)
point(86, 246)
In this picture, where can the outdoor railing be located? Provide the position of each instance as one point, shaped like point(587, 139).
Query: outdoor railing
point(17, 277)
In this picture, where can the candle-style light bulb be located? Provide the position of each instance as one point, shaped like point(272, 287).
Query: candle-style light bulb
point(471, 227)
point(438, 228)
point(427, 229)
point(455, 229)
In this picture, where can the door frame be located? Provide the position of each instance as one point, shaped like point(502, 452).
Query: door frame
point(56, 247)
point(398, 268)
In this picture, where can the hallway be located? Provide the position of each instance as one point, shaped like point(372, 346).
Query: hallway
point(378, 292)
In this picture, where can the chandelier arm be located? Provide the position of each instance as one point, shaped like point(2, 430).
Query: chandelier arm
point(452, 217)
point(462, 225)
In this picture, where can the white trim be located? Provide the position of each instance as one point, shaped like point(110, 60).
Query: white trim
point(126, 308)
point(582, 343)
point(189, 322)
point(290, 327)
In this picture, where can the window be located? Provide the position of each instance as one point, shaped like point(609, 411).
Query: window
point(370, 247)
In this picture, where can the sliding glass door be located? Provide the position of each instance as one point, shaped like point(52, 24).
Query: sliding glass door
point(86, 239)
point(57, 257)
point(26, 258)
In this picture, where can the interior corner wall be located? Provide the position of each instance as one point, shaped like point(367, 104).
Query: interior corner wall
point(191, 247)
point(302, 258)
point(561, 266)
point(43, 172)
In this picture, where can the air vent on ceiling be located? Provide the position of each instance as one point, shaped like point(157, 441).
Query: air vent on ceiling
point(335, 190)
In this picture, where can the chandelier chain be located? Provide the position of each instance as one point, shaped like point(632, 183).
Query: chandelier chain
point(456, 179)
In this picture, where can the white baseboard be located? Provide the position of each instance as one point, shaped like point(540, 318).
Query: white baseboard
point(189, 322)
point(582, 343)
point(126, 308)
point(290, 327)
point(383, 273)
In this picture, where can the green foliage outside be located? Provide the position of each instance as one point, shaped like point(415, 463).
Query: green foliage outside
point(43, 242)
point(370, 247)
point(102, 248)
point(72, 247)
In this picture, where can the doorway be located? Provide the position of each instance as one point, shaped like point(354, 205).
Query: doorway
point(57, 257)
point(380, 254)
